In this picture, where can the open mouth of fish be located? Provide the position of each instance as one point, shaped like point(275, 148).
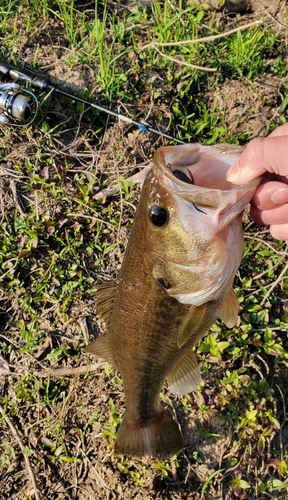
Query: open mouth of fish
point(209, 210)
point(197, 174)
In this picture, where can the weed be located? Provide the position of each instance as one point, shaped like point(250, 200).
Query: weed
point(113, 423)
point(208, 480)
point(238, 484)
point(8, 457)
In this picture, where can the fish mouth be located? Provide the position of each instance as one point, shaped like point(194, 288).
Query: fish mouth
point(197, 174)
point(207, 211)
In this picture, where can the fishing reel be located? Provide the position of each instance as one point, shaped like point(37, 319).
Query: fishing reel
point(17, 104)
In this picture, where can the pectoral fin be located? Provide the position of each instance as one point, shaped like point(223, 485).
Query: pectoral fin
point(185, 376)
point(229, 309)
point(190, 323)
point(100, 347)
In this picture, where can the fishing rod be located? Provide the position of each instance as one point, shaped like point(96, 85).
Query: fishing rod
point(21, 104)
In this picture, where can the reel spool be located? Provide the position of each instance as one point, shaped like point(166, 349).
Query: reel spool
point(17, 104)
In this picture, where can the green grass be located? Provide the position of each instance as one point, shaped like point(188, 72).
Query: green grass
point(67, 240)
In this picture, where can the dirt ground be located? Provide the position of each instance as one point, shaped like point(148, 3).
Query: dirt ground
point(91, 403)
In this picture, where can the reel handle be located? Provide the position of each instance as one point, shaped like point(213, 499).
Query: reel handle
point(16, 74)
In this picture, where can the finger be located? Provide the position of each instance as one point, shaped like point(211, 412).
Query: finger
point(260, 155)
point(283, 130)
point(278, 215)
point(270, 195)
point(279, 231)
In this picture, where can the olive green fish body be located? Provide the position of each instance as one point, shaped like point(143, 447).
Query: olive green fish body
point(184, 249)
point(142, 340)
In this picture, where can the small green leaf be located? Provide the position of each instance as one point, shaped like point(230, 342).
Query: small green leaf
point(243, 484)
point(223, 345)
point(278, 485)
point(251, 414)
point(284, 104)
point(261, 445)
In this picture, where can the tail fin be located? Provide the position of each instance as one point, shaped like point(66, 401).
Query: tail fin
point(158, 438)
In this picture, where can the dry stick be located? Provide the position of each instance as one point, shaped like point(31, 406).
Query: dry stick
point(138, 178)
point(155, 45)
point(264, 363)
point(274, 285)
point(256, 367)
point(265, 243)
point(270, 269)
point(284, 420)
point(61, 372)
point(102, 482)
point(91, 217)
point(275, 20)
point(18, 439)
point(200, 40)
point(183, 63)
point(83, 325)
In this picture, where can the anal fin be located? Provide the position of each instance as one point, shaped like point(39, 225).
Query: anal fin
point(185, 376)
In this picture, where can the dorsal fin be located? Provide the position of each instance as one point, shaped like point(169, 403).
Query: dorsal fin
point(229, 309)
point(105, 299)
point(191, 321)
point(104, 302)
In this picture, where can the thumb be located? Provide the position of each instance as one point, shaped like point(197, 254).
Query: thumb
point(269, 154)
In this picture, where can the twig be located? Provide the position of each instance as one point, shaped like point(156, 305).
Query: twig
point(19, 441)
point(138, 178)
point(270, 269)
point(7, 172)
point(284, 420)
point(189, 467)
point(265, 243)
point(264, 363)
point(83, 325)
point(100, 481)
point(200, 40)
point(155, 45)
point(274, 19)
point(256, 367)
point(183, 63)
point(83, 216)
point(61, 372)
point(274, 285)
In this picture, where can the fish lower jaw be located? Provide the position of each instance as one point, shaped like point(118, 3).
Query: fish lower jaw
point(158, 437)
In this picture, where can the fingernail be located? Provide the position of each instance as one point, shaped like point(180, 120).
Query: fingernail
point(233, 173)
point(279, 196)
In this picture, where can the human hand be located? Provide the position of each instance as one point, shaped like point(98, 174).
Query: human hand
point(268, 156)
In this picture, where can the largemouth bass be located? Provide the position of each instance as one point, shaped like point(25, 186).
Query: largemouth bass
point(184, 249)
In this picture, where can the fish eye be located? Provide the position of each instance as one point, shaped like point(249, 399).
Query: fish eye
point(158, 215)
